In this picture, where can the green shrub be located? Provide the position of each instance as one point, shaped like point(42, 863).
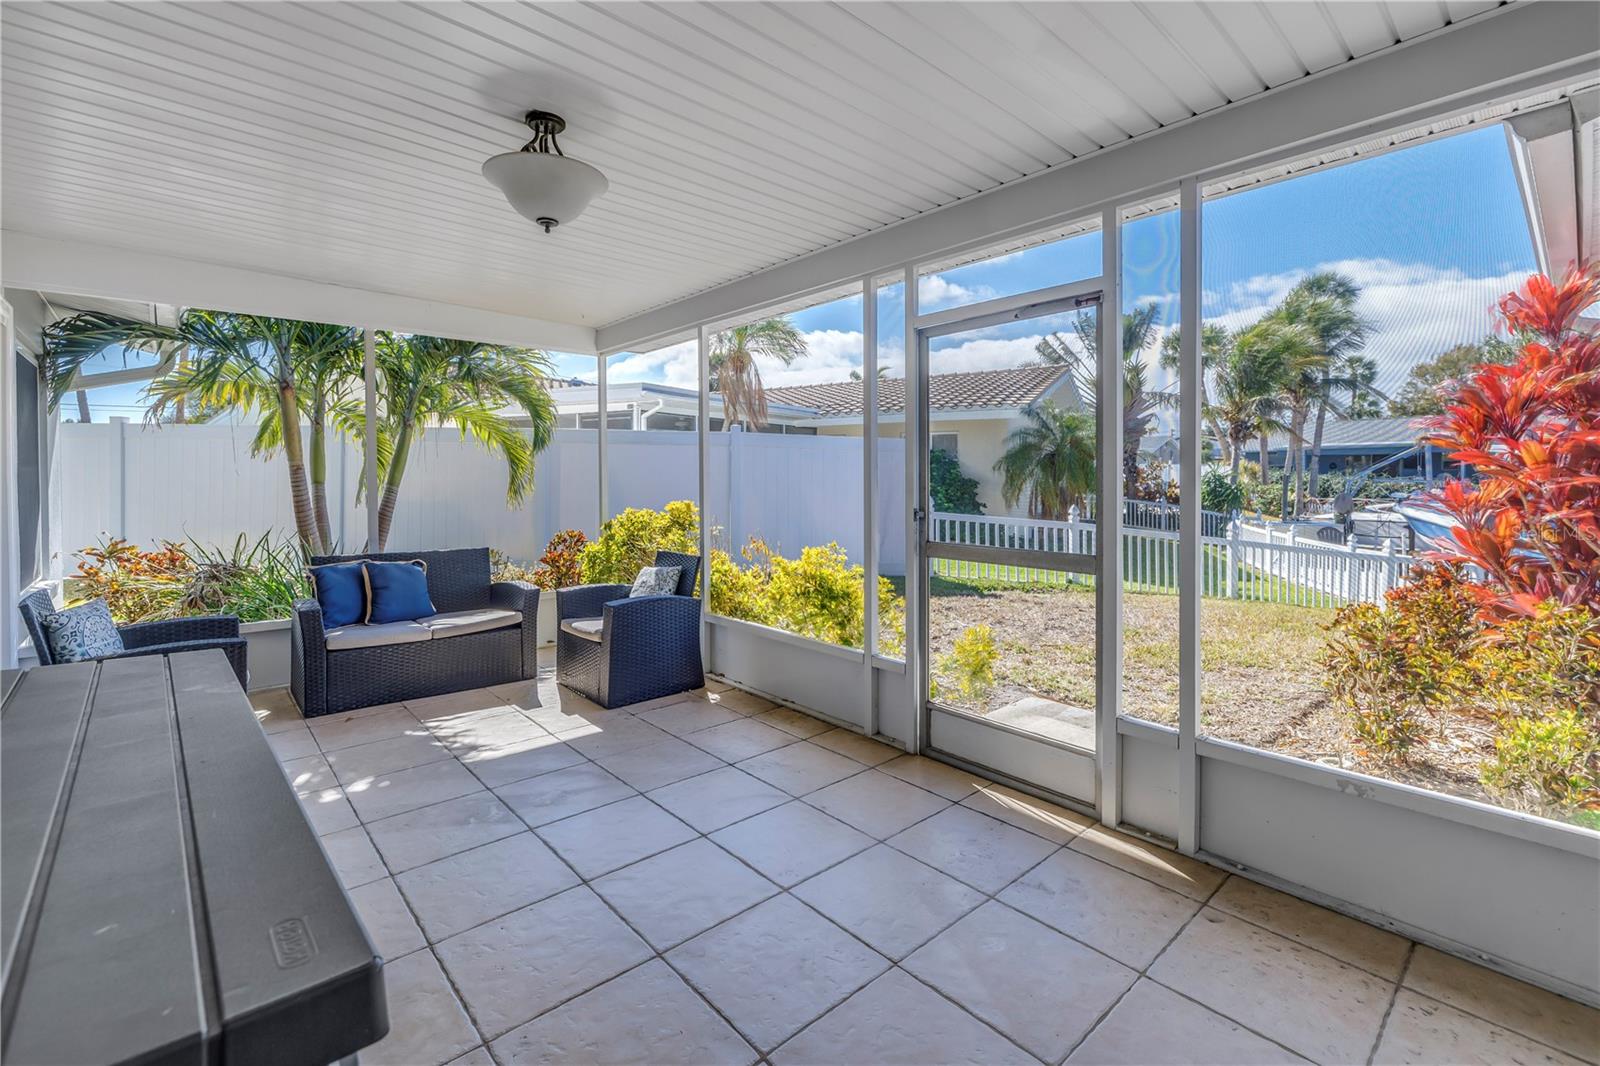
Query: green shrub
point(1545, 762)
point(561, 565)
point(953, 491)
point(1219, 493)
point(503, 567)
point(255, 580)
point(628, 543)
point(968, 668)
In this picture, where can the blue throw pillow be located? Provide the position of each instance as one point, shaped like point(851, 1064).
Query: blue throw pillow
point(82, 632)
point(342, 593)
point(398, 591)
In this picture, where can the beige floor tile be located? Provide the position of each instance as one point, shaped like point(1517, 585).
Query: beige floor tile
point(608, 838)
point(515, 968)
point(1154, 1026)
point(1124, 916)
point(680, 893)
point(877, 804)
point(1311, 1003)
point(334, 731)
point(774, 968)
point(388, 920)
point(453, 707)
point(741, 701)
point(354, 858)
point(946, 780)
point(796, 723)
point(515, 762)
point(862, 749)
point(898, 1021)
point(292, 742)
point(563, 793)
point(1425, 1031)
point(365, 761)
point(801, 768)
point(690, 716)
point(275, 709)
point(981, 851)
point(659, 764)
point(613, 736)
point(792, 842)
point(710, 801)
point(648, 1015)
point(646, 706)
point(328, 811)
point(492, 729)
point(427, 1026)
point(714, 685)
point(1373, 949)
point(1040, 988)
point(418, 837)
point(1164, 866)
point(561, 710)
point(1056, 824)
point(406, 790)
point(459, 892)
point(891, 901)
point(736, 741)
point(310, 774)
point(478, 1056)
point(1545, 1016)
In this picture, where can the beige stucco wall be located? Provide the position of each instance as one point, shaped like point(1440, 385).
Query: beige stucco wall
point(979, 444)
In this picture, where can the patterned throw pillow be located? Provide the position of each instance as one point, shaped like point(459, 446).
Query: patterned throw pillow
point(82, 632)
point(656, 581)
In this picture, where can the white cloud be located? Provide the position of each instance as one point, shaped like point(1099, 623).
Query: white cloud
point(934, 293)
point(987, 353)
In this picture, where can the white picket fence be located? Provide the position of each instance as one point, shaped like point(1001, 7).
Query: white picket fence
point(1250, 562)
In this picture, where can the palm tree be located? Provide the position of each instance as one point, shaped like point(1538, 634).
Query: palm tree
point(1325, 304)
point(1245, 405)
point(736, 373)
point(432, 380)
point(1283, 362)
point(249, 362)
point(1050, 459)
point(1216, 345)
point(1359, 375)
point(1139, 401)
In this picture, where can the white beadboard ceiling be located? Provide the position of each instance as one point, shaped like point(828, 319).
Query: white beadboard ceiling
point(341, 142)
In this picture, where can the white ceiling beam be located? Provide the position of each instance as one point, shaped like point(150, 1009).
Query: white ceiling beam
point(50, 264)
point(1517, 50)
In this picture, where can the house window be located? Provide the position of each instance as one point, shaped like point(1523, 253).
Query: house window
point(945, 442)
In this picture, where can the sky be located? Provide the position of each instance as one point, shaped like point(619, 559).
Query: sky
point(1433, 234)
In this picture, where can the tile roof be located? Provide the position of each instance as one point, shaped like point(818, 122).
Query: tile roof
point(974, 390)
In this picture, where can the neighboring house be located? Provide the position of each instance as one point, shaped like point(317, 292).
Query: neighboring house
point(1350, 445)
point(971, 414)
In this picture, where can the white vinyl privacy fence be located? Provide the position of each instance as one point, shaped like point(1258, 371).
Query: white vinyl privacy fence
point(149, 483)
point(1249, 562)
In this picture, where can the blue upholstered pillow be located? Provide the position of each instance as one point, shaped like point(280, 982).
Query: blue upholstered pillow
point(342, 593)
point(82, 632)
point(398, 592)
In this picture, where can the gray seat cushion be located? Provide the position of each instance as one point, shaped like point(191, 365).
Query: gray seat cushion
point(343, 638)
point(457, 623)
point(587, 628)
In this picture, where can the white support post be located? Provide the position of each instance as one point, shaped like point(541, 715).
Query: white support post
point(1108, 538)
point(10, 525)
point(1189, 370)
point(869, 493)
point(369, 457)
point(119, 463)
point(702, 428)
point(1235, 533)
point(602, 468)
point(916, 561)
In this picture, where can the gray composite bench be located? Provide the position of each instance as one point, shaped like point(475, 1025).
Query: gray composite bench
point(162, 897)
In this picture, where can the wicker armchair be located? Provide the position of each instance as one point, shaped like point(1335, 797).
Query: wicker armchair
point(149, 638)
point(485, 634)
point(618, 651)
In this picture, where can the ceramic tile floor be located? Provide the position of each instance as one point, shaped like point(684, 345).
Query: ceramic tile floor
point(710, 879)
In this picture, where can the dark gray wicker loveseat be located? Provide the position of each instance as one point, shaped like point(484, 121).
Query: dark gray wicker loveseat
point(617, 651)
point(484, 634)
point(150, 638)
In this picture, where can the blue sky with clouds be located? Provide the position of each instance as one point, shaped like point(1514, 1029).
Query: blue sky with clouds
point(1433, 234)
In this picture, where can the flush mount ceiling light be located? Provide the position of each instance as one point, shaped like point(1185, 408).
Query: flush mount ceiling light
point(540, 181)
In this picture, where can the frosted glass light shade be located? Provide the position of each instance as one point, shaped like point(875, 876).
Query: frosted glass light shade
point(549, 189)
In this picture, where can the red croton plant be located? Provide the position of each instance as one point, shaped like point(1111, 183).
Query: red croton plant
point(1532, 430)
